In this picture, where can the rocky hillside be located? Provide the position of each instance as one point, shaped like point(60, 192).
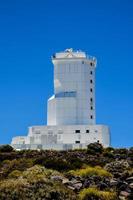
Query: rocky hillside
point(95, 173)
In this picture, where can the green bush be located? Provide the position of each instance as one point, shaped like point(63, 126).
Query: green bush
point(6, 148)
point(15, 174)
point(95, 194)
point(74, 162)
point(18, 164)
point(90, 171)
point(54, 163)
point(94, 148)
point(37, 172)
point(108, 154)
point(35, 183)
point(109, 149)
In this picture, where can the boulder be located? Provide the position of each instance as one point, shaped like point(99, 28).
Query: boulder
point(113, 182)
point(124, 194)
point(77, 186)
point(65, 181)
point(117, 168)
point(57, 178)
point(130, 179)
point(131, 185)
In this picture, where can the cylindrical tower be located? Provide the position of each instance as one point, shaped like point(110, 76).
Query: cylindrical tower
point(73, 101)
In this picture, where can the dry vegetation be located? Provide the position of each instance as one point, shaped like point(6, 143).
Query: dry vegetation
point(95, 173)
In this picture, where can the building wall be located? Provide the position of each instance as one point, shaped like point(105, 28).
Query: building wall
point(74, 89)
point(72, 135)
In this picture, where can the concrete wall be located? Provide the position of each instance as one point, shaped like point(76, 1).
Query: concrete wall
point(74, 90)
point(77, 136)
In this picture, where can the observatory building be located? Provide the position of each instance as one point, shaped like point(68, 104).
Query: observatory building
point(71, 113)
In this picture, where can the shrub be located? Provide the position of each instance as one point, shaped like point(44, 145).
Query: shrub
point(122, 151)
point(90, 171)
point(38, 172)
point(109, 149)
point(108, 154)
point(19, 164)
point(93, 193)
point(54, 163)
point(94, 148)
point(6, 148)
point(15, 174)
point(35, 183)
point(75, 163)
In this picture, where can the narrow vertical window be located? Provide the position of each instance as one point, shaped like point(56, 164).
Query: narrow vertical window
point(91, 107)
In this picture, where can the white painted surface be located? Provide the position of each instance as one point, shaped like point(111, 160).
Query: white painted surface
point(69, 110)
point(74, 72)
point(47, 135)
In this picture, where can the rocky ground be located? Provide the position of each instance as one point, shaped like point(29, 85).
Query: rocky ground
point(95, 173)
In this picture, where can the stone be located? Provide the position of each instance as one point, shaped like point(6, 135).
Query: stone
point(128, 190)
point(113, 182)
point(70, 187)
point(86, 183)
point(65, 181)
point(130, 179)
point(57, 178)
point(131, 185)
point(102, 186)
point(122, 185)
point(77, 186)
point(117, 167)
point(124, 194)
point(122, 197)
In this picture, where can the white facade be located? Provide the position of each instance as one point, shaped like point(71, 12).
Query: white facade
point(74, 89)
point(71, 118)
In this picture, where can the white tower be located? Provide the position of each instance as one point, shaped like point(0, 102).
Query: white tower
point(73, 102)
point(71, 119)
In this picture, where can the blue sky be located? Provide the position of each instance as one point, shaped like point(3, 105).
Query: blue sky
point(32, 30)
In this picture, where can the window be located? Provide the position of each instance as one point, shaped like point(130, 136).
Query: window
point(91, 81)
point(77, 142)
point(65, 94)
point(91, 100)
point(87, 131)
point(91, 107)
point(91, 116)
point(91, 72)
point(91, 90)
point(83, 62)
point(77, 131)
point(91, 64)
